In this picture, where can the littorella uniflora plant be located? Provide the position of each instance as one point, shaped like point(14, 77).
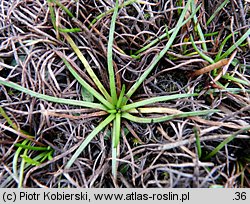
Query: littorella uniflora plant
point(117, 106)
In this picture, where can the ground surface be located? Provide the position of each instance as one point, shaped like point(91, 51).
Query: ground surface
point(27, 44)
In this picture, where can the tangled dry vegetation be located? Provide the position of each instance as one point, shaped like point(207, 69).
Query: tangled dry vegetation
point(175, 153)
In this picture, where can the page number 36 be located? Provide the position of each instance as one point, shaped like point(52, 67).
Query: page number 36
point(240, 196)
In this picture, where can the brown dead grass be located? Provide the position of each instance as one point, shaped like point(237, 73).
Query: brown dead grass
point(143, 162)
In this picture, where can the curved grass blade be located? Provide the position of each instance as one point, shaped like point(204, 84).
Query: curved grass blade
point(155, 100)
point(166, 34)
point(53, 17)
point(58, 3)
point(40, 158)
point(89, 138)
point(52, 13)
point(32, 147)
point(222, 5)
point(51, 98)
point(200, 33)
point(87, 67)
point(30, 161)
point(86, 85)
point(235, 45)
point(211, 34)
point(21, 146)
point(136, 119)
point(230, 90)
point(222, 46)
point(226, 141)
point(234, 79)
point(126, 3)
point(110, 55)
point(205, 57)
point(16, 156)
point(159, 56)
point(21, 171)
point(198, 142)
point(119, 102)
point(9, 121)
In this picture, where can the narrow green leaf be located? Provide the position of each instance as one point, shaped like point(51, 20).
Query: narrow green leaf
point(112, 111)
point(126, 3)
point(21, 170)
point(58, 3)
point(235, 45)
point(51, 98)
point(30, 161)
point(155, 100)
point(167, 31)
point(42, 157)
point(230, 90)
point(31, 147)
point(226, 141)
point(119, 102)
point(205, 57)
point(110, 55)
point(50, 155)
point(88, 139)
point(52, 13)
point(217, 58)
point(159, 56)
point(117, 128)
point(53, 17)
point(15, 159)
point(166, 118)
point(9, 121)
point(211, 34)
point(200, 33)
point(69, 30)
point(231, 78)
point(222, 46)
point(87, 86)
point(87, 67)
point(165, 34)
point(114, 151)
point(198, 143)
point(222, 5)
